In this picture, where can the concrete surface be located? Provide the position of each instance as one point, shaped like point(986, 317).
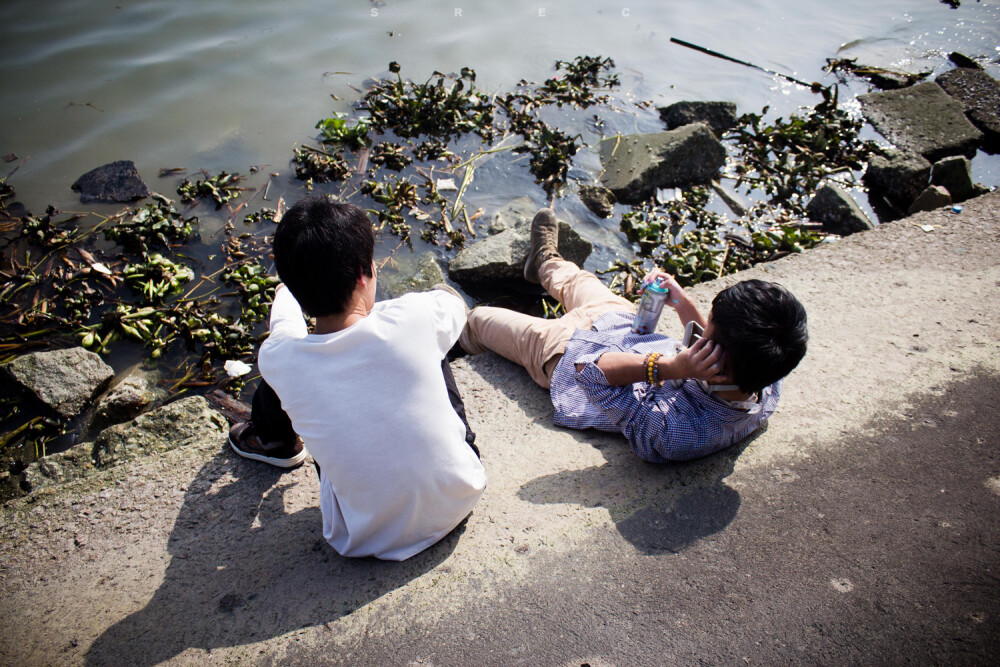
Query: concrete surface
point(860, 527)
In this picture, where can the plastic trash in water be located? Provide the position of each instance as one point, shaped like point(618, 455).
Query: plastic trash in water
point(237, 368)
point(957, 208)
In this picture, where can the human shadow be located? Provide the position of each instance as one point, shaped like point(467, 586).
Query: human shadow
point(244, 569)
point(658, 508)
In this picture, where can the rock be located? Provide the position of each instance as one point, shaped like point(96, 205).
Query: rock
point(188, 421)
point(922, 119)
point(731, 199)
point(501, 257)
point(59, 468)
point(980, 95)
point(113, 182)
point(720, 116)
point(954, 174)
point(885, 80)
point(931, 198)
point(636, 165)
point(598, 199)
point(65, 380)
point(837, 211)
point(900, 175)
point(513, 214)
point(419, 276)
point(129, 398)
point(963, 60)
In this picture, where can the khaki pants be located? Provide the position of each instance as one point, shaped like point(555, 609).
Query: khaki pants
point(537, 343)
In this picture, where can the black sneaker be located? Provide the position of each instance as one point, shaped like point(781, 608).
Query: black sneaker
point(248, 444)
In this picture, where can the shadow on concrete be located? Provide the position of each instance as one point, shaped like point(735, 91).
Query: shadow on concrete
point(678, 503)
point(244, 570)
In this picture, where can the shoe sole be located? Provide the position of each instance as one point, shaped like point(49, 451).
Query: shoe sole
point(293, 462)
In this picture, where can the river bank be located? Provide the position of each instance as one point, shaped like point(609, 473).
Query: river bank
point(870, 495)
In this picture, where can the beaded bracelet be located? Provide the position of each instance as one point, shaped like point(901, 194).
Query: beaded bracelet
point(652, 372)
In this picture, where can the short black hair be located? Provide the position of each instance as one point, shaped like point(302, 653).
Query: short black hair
point(321, 248)
point(762, 327)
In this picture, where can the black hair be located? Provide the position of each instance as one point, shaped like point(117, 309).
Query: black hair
point(762, 327)
point(321, 248)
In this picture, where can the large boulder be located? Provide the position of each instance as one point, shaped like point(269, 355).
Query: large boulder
point(64, 380)
point(512, 214)
point(501, 257)
point(185, 422)
point(414, 276)
point(839, 213)
point(720, 116)
point(899, 175)
point(636, 165)
point(954, 174)
point(598, 199)
point(58, 468)
point(922, 119)
point(113, 182)
point(979, 93)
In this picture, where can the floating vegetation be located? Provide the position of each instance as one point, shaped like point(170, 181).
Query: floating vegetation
point(389, 155)
point(45, 232)
point(256, 290)
point(583, 75)
point(788, 159)
point(154, 225)
point(339, 130)
point(319, 166)
point(431, 150)
point(395, 194)
point(263, 215)
point(448, 107)
point(219, 188)
point(156, 278)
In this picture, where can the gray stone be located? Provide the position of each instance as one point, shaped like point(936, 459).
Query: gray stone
point(837, 211)
point(980, 95)
point(886, 80)
point(59, 468)
point(65, 380)
point(114, 182)
point(128, 399)
point(419, 276)
point(185, 422)
point(933, 197)
point(954, 174)
point(636, 165)
point(513, 214)
point(961, 60)
point(899, 175)
point(720, 116)
point(501, 257)
point(598, 199)
point(922, 119)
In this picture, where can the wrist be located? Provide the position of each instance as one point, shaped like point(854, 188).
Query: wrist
point(668, 368)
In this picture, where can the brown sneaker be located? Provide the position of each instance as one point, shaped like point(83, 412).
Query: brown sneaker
point(248, 444)
point(544, 243)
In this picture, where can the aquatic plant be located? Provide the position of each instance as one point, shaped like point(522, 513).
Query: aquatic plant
point(339, 130)
point(219, 188)
point(319, 166)
point(154, 225)
point(582, 75)
point(389, 155)
point(156, 277)
point(447, 107)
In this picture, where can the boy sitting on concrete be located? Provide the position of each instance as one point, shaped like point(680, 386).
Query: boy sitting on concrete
point(368, 391)
point(601, 375)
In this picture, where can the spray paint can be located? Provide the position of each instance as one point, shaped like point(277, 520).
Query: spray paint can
point(650, 307)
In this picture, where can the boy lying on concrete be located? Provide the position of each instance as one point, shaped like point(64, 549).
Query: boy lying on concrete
point(370, 391)
point(601, 375)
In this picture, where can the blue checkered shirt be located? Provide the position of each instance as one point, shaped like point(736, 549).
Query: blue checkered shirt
point(662, 424)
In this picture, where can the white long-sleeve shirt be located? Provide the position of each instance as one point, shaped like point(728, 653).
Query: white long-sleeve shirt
point(371, 406)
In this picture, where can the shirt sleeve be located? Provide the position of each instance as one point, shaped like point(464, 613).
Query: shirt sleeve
point(656, 429)
point(449, 318)
point(287, 319)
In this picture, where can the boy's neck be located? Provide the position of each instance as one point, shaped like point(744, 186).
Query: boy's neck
point(327, 324)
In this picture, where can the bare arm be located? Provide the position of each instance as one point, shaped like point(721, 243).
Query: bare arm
point(702, 361)
point(678, 298)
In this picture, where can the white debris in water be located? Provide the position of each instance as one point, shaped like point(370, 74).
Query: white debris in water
point(237, 368)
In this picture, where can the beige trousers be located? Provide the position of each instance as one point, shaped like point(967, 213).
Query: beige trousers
point(537, 343)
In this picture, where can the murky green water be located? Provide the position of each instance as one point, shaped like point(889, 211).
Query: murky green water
point(223, 85)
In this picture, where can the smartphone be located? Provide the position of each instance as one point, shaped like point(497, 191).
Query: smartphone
point(692, 332)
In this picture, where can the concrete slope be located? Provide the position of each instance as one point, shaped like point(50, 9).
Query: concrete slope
point(860, 527)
